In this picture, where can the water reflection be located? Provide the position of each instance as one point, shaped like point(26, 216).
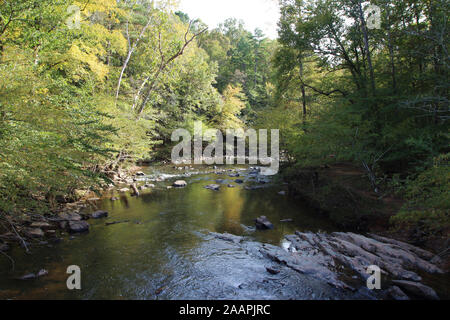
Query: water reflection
point(160, 245)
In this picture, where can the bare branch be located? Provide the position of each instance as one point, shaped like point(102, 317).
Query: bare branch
point(165, 63)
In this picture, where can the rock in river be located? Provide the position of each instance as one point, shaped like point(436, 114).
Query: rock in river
point(42, 273)
point(78, 226)
point(180, 184)
point(214, 187)
point(35, 233)
point(262, 223)
point(41, 225)
point(71, 216)
point(99, 215)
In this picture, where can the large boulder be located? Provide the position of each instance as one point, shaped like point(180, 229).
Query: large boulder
point(180, 184)
point(262, 223)
point(77, 226)
point(99, 215)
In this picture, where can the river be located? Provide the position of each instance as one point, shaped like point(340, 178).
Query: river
point(163, 249)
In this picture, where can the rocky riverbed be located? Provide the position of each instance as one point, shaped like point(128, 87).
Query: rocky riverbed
point(342, 260)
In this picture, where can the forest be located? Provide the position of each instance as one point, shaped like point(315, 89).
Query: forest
point(91, 86)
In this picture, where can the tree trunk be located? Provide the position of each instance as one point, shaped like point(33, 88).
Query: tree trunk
point(303, 91)
point(127, 60)
point(131, 49)
point(366, 45)
point(391, 56)
point(138, 94)
point(150, 90)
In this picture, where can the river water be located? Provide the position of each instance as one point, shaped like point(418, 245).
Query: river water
point(164, 249)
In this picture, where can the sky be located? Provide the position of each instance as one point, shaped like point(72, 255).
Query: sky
point(262, 14)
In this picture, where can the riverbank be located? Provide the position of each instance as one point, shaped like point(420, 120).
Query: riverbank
point(30, 229)
point(342, 192)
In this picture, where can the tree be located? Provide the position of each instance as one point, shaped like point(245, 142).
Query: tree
point(164, 63)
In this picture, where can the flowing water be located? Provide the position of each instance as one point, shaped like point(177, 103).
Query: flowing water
point(163, 248)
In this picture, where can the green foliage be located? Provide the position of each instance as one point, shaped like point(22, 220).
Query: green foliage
point(428, 199)
point(78, 102)
point(244, 59)
point(374, 97)
point(66, 118)
point(50, 136)
point(230, 108)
